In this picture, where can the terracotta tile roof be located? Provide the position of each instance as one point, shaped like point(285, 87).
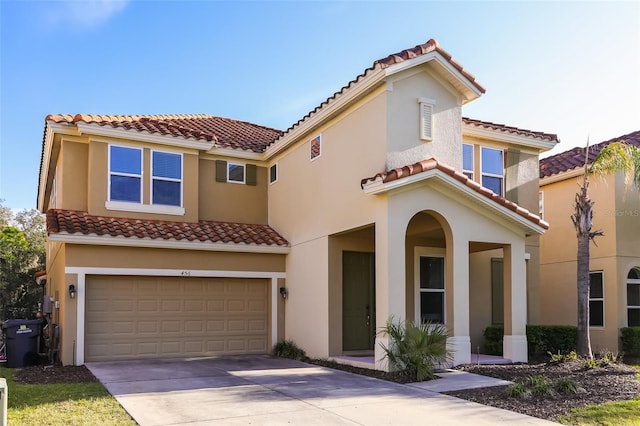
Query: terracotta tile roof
point(404, 55)
point(573, 158)
point(225, 132)
point(79, 222)
point(510, 129)
point(433, 164)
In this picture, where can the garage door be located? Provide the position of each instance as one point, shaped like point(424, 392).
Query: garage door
point(161, 317)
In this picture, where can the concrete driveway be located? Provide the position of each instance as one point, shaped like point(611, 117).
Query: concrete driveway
point(262, 390)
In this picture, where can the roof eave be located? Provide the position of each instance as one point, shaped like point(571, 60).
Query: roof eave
point(539, 144)
point(175, 141)
point(470, 90)
point(377, 187)
point(108, 240)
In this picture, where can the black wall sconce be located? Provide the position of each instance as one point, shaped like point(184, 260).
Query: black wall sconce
point(284, 292)
point(72, 291)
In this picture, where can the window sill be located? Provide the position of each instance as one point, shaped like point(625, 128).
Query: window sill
point(144, 208)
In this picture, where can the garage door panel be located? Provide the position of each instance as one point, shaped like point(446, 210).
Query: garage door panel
point(150, 317)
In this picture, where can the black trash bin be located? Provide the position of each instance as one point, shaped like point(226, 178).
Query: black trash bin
point(21, 338)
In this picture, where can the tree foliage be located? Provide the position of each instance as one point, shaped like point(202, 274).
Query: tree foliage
point(613, 158)
point(22, 253)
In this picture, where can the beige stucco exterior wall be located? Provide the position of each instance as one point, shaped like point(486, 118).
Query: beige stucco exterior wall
point(403, 116)
point(558, 248)
point(228, 201)
point(149, 258)
point(73, 171)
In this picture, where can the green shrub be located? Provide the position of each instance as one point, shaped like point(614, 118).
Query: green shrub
point(493, 336)
point(288, 349)
point(561, 358)
point(539, 385)
point(415, 350)
point(541, 339)
point(551, 338)
point(589, 363)
point(606, 357)
point(567, 386)
point(518, 390)
point(630, 340)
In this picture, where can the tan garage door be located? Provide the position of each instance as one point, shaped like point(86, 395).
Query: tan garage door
point(161, 317)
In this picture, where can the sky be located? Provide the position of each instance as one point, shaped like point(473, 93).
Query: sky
point(569, 68)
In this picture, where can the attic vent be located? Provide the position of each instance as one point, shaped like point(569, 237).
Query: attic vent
point(426, 118)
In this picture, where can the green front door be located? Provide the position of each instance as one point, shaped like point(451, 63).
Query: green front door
point(358, 301)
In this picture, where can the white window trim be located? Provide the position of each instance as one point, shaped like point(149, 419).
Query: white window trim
point(271, 182)
point(483, 174)
point(144, 208)
point(473, 155)
point(244, 172)
point(598, 299)
point(431, 103)
point(427, 252)
point(632, 281)
point(319, 137)
point(110, 173)
point(181, 180)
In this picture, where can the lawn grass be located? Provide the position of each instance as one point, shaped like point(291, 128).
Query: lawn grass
point(62, 404)
point(623, 413)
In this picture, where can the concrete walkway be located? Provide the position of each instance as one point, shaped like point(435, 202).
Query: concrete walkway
point(261, 390)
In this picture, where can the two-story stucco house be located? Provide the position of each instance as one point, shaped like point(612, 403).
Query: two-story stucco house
point(614, 261)
point(198, 235)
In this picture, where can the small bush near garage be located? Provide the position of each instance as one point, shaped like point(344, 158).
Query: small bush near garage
point(630, 340)
point(541, 339)
point(288, 349)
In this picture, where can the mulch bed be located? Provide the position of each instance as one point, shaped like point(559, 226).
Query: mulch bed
point(39, 375)
point(615, 382)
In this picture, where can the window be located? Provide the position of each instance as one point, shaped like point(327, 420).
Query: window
point(596, 299)
point(166, 172)
point(633, 298)
point(432, 289)
point(125, 174)
point(316, 147)
point(426, 118)
point(235, 172)
point(492, 169)
point(273, 173)
point(467, 160)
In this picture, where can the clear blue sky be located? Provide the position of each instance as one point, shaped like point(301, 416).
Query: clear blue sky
point(571, 68)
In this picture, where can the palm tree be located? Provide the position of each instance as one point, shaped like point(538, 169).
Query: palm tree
point(614, 157)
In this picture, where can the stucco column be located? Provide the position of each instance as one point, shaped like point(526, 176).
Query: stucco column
point(515, 303)
point(458, 269)
point(390, 278)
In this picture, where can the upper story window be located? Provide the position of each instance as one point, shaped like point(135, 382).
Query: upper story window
point(273, 173)
point(596, 299)
point(426, 118)
point(235, 173)
point(492, 164)
point(316, 147)
point(633, 298)
point(166, 172)
point(125, 174)
point(467, 160)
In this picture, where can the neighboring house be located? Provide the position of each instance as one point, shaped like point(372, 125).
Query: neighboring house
point(180, 234)
point(615, 257)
